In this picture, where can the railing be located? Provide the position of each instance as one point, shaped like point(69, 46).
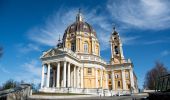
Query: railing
point(70, 52)
point(92, 58)
point(126, 60)
point(84, 57)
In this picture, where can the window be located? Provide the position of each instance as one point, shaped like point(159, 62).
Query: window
point(86, 47)
point(72, 46)
point(86, 34)
point(89, 71)
point(85, 26)
point(116, 50)
point(72, 34)
point(127, 75)
point(128, 86)
point(110, 76)
point(116, 76)
point(72, 27)
point(118, 84)
point(110, 82)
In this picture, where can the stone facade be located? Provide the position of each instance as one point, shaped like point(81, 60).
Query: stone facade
point(76, 65)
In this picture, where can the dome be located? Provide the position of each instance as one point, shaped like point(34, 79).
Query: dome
point(81, 38)
point(79, 26)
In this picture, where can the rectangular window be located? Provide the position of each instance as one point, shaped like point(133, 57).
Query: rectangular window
point(89, 71)
point(73, 47)
point(127, 75)
point(86, 48)
point(110, 76)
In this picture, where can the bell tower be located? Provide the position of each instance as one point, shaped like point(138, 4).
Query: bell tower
point(117, 56)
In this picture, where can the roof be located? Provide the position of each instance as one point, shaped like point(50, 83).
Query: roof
point(79, 26)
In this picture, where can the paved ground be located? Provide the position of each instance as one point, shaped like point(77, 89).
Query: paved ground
point(136, 97)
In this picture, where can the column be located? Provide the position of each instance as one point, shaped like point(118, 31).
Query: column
point(58, 75)
point(76, 44)
point(101, 78)
point(68, 75)
point(99, 50)
point(121, 51)
point(54, 78)
point(111, 49)
point(92, 46)
point(113, 80)
point(74, 76)
point(48, 76)
point(106, 80)
point(82, 79)
point(79, 44)
point(131, 78)
point(96, 78)
point(42, 74)
point(78, 77)
point(123, 79)
point(64, 75)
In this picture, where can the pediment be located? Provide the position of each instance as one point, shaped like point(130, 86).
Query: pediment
point(52, 52)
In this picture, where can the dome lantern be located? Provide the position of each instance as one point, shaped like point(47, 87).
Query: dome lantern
point(79, 17)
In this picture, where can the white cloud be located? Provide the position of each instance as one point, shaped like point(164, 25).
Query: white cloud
point(30, 72)
point(155, 42)
point(142, 14)
point(4, 70)
point(129, 40)
point(25, 48)
point(56, 24)
point(165, 53)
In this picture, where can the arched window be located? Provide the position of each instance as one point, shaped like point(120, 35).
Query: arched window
point(86, 47)
point(73, 47)
point(116, 50)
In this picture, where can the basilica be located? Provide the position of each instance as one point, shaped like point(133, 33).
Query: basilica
point(75, 64)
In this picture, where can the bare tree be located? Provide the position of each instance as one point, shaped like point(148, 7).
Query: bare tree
point(152, 75)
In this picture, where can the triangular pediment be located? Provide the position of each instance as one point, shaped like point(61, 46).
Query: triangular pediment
point(52, 52)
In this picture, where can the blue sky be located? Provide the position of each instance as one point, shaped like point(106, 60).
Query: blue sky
point(28, 27)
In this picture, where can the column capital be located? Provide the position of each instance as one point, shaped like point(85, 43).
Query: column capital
point(48, 63)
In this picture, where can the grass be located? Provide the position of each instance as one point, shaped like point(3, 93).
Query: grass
point(56, 94)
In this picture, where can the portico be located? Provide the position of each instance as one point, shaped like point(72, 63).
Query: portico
point(60, 75)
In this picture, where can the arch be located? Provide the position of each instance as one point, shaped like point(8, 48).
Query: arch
point(116, 50)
